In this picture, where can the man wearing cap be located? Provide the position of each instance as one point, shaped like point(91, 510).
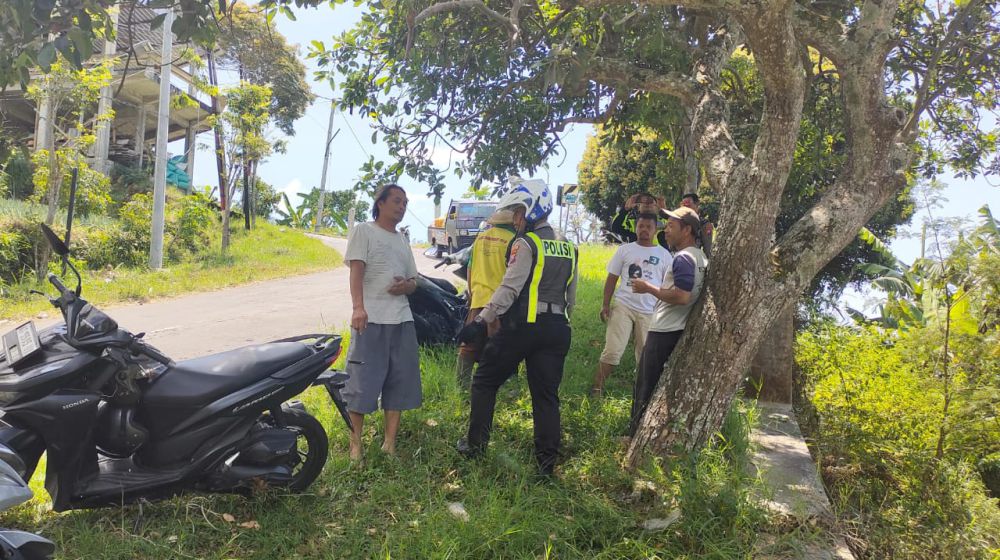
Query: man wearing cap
point(676, 295)
point(533, 302)
point(691, 200)
point(487, 265)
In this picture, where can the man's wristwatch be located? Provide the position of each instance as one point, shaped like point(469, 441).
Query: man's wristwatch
point(479, 319)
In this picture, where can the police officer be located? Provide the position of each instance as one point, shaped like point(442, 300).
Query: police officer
point(487, 265)
point(533, 303)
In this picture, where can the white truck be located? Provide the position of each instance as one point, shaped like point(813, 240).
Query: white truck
point(459, 226)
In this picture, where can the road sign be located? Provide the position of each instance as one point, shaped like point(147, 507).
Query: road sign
point(567, 194)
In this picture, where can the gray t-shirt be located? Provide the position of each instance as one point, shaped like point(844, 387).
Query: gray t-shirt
point(386, 255)
point(686, 272)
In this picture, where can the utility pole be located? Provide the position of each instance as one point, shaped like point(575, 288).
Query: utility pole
point(162, 129)
point(326, 161)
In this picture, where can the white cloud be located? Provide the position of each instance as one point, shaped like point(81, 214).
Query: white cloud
point(292, 188)
point(443, 156)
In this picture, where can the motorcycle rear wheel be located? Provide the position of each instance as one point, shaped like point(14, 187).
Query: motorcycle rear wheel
point(312, 447)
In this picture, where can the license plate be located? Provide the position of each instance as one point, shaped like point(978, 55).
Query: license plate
point(21, 343)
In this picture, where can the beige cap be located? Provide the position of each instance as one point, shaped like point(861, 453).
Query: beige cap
point(685, 215)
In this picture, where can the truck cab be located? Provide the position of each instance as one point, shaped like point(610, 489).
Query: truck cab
point(459, 226)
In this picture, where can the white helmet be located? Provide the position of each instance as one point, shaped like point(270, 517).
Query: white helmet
point(532, 194)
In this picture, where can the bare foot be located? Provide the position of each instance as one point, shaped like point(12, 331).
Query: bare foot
point(356, 451)
point(389, 449)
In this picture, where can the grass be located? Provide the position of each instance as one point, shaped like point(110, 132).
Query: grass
point(264, 253)
point(398, 507)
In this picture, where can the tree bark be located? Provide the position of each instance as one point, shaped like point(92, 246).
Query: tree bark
point(752, 280)
point(770, 375)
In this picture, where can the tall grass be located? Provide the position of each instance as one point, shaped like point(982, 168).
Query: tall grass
point(398, 507)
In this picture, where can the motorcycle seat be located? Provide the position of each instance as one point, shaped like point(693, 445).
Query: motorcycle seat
point(200, 381)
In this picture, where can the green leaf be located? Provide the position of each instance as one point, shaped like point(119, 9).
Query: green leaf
point(46, 56)
point(81, 42)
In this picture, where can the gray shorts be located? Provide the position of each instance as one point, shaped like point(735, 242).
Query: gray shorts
point(383, 360)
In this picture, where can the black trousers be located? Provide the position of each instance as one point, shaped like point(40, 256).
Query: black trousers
point(543, 347)
point(656, 352)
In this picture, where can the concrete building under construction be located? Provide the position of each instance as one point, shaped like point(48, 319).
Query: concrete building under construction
point(134, 95)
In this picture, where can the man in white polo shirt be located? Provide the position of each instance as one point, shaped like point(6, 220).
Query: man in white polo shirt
point(629, 313)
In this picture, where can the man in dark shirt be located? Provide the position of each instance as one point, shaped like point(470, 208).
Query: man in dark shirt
point(691, 200)
point(623, 224)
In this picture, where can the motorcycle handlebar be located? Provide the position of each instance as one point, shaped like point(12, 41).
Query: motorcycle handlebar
point(55, 281)
point(138, 347)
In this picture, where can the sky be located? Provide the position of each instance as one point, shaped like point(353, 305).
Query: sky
point(300, 168)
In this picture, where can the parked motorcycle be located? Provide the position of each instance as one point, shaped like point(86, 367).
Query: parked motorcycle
point(438, 309)
point(19, 545)
point(120, 421)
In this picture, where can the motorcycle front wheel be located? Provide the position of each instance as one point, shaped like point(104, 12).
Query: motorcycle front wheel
point(311, 446)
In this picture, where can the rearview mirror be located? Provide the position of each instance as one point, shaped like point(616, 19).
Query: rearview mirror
point(57, 244)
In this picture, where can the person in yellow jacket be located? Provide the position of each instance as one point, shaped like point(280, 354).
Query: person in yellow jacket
point(487, 264)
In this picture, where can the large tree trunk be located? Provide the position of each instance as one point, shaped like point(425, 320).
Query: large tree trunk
point(751, 279)
point(770, 375)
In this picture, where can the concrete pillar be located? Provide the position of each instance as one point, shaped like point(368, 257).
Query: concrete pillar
point(162, 130)
point(102, 144)
point(140, 133)
point(44, 125)
point(190, 147)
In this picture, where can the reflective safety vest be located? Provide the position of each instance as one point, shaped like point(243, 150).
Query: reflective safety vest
point(553, 265)
point(488, 263)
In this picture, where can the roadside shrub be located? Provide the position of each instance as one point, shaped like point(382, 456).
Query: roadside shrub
point(15, 181)
point(193, 220)
point(881, 408)
point(16, 256)
point(128, 181)
point(93, 192)
point(126, 244)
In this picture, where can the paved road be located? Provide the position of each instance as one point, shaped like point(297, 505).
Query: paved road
point(207, 322)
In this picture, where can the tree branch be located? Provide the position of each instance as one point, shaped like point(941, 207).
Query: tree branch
point(825, 34)
point(924, 95)
point(602, 118)
point(621, 74)
point(709, 125)
point(726, 5)
point(442, 7)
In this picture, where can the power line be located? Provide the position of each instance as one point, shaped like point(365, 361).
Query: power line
point(354, 134)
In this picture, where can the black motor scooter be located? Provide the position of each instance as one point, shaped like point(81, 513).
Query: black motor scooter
point(121, 421)
point(438, 309)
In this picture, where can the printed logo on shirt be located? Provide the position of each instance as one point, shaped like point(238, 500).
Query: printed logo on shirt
point(513, 253)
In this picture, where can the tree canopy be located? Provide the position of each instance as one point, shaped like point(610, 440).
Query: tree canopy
point(501, 81)
point(250, 46)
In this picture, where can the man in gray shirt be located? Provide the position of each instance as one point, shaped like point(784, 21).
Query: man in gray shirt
point(383, 360)
point(676, 295)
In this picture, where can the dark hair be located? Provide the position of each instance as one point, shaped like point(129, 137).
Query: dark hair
point(382, 194)
point(647, 216)
point(692, 196)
